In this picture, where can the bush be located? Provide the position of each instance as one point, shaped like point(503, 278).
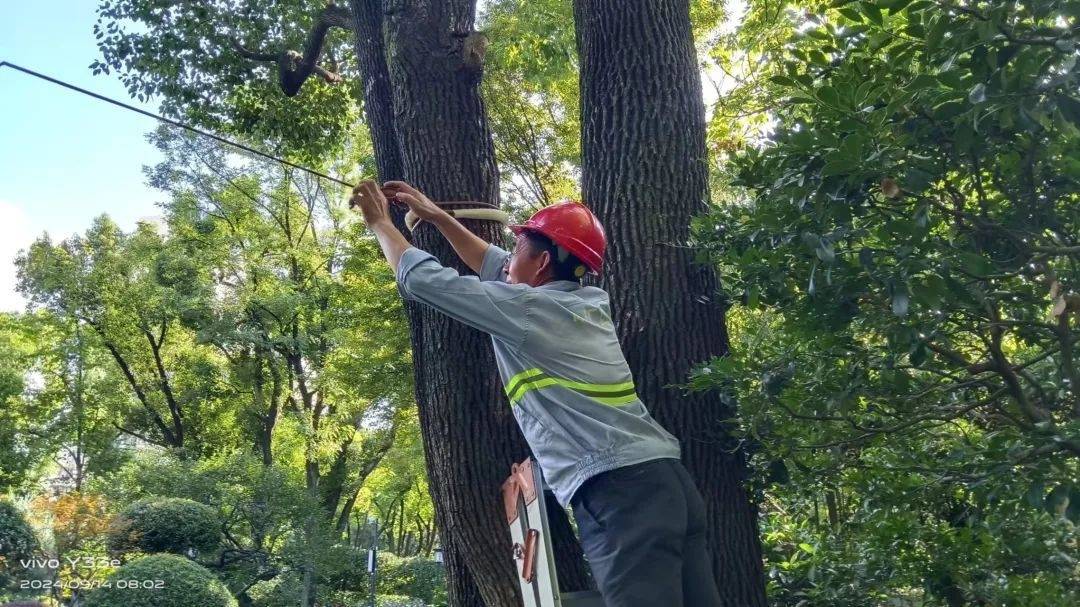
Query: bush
point(17, 542)
point(397, 600)
point(173, 525)
point(162, 580)
point(415, 577)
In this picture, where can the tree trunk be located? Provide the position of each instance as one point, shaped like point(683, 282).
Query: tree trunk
point(421, 67)
point(644, 173)
point(447, 153)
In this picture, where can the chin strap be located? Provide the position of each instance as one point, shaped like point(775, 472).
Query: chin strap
point(482, 211)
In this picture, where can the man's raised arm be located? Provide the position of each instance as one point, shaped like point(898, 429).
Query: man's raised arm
point(469, 247)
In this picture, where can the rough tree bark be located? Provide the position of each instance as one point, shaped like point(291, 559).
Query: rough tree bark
point(435, 62)
point(644, 172)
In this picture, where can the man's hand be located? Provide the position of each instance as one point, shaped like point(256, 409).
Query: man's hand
point(418, 203)
point(372, 203)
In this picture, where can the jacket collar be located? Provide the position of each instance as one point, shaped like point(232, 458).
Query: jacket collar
point(560, 285)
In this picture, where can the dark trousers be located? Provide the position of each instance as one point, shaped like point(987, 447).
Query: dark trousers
point(643, 531)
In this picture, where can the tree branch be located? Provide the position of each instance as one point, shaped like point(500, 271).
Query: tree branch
point(294, 68)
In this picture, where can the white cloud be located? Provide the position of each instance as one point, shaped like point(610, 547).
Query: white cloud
point(16, 234)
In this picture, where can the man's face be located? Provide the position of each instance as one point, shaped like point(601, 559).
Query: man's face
point(526, 266)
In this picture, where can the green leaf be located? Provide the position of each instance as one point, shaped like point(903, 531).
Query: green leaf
point(852, 14)
point(975, 264)
point(923, 82)
point(916, 180)
point(949, 110)
point(834, 167)
point(828, 95)
point(872, 12)
point(895, 6)
point(937, 33)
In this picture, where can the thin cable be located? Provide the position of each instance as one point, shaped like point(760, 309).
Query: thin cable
point(175, 123)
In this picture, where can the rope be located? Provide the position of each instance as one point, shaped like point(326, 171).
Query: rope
point(487, 212)
point(172, 122)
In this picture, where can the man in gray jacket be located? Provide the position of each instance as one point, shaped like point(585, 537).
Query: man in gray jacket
point(641, 519)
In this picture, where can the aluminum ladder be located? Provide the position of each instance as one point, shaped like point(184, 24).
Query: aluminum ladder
point(534, 560)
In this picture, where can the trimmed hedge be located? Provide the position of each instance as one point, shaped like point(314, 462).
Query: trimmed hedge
point(172, 525)
point(161, 580)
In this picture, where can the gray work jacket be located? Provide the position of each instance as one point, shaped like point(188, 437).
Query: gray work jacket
point(560, 361)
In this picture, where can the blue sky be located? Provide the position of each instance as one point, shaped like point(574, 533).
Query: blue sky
point(64, 158)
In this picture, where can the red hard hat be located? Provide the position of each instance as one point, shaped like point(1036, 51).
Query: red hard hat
point(572, 226)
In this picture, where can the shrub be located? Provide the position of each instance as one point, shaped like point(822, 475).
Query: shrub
point(161, 580)
point(397, 600)
point(17, 542)
point(172, 525)
point(414, 576)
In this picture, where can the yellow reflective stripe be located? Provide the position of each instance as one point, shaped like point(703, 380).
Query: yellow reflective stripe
point(629, 385)
point(535, 379)
point(534, 384)
point(515, 381)
point(617, 400)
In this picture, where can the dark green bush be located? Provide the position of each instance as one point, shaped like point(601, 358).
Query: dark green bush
point(172, 525)
point(17, 542)
point(161, 580)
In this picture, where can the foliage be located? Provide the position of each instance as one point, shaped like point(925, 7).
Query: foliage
point(531, 93)
point(397, 600)
point(18, 451)
point(416, 577)
point(76, 524)
point(902, 253)
point(397, 494)
point(188, 57)
point(17, 543)
point(110, 284)
point(173, 525)
point(63, 417)
point(261, 307)
point(161, 580)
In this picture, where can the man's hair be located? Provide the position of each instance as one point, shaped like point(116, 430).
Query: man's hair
point(564, 265)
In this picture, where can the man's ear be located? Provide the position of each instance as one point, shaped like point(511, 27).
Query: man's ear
point(547, 262)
